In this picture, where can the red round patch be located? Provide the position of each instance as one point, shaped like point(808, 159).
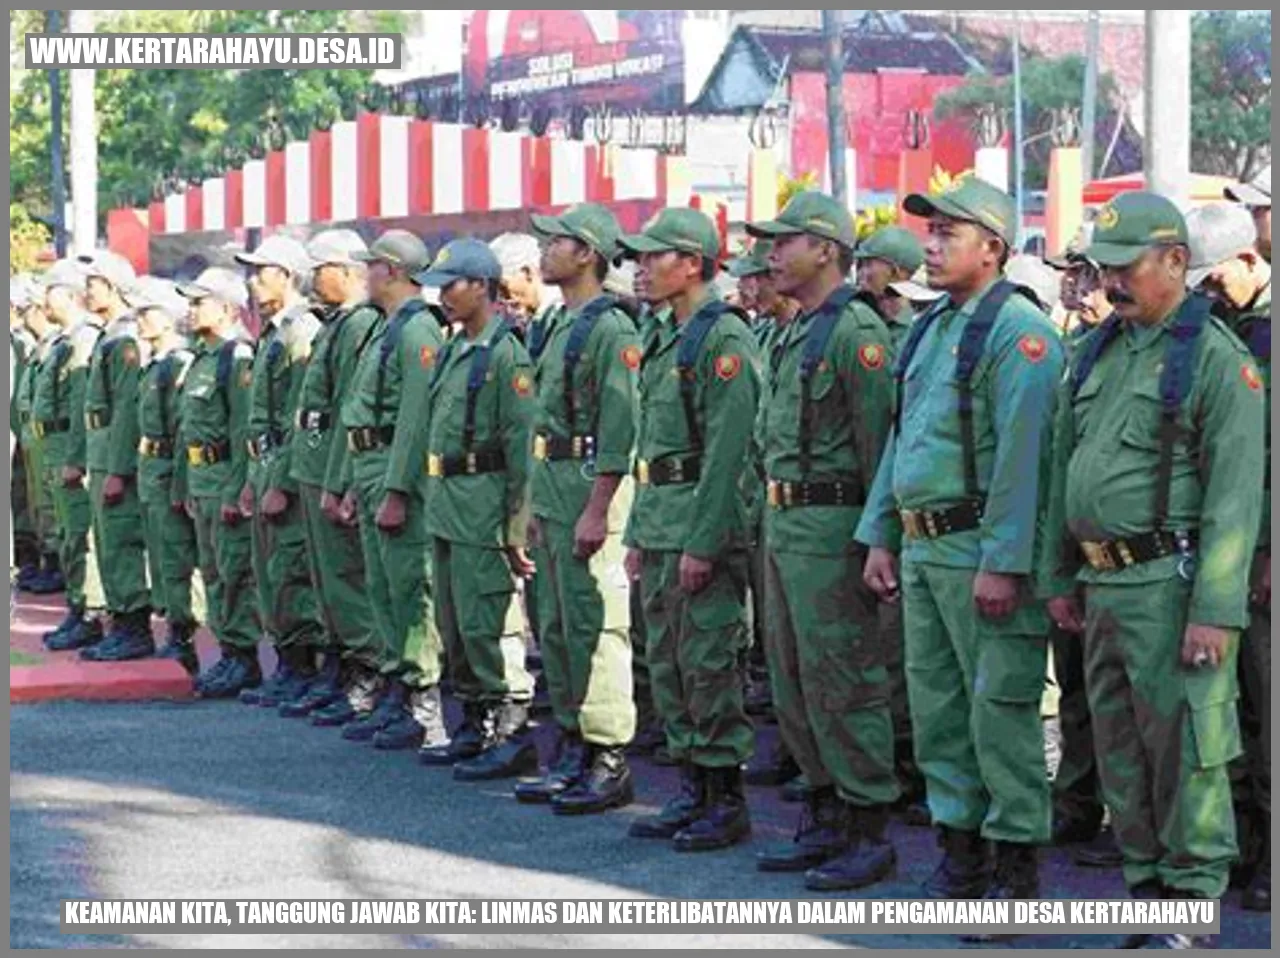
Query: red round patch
point(1250, 376)
point(427, 356)
point(728, 367)
point(522, 384)
point(871, 356)
point(1033, 347)
point(631, 357)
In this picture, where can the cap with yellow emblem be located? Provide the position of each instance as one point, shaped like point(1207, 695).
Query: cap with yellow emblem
point(814, 213)
point(1133, 223)
point(971, 200)
point(752, 263)
point(676, 230)
point(588, 223)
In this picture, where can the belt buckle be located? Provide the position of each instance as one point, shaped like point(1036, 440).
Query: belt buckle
point(931, 525)
point(775, 494)
point(642, 472)
point(352, 446)
point(540, 447)
point(576, 444)
point(910, 524)
point(1097, 556)
point(195, 455)
point(1126, 555)
point(435, 466)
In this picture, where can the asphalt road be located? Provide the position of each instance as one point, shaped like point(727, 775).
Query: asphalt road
point(219, 800)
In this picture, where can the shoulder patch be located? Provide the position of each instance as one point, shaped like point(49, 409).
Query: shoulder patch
point(522, 384)
point(1251, 377)
point(427, 356)
point(1033, 347)
point(727, 367)
point(872, 356)
point(630, 356)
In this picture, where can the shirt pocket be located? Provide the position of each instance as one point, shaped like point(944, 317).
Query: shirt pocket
point(1140, 430)
point(1084, 407)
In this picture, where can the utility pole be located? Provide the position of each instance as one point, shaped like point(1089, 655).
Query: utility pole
point(84, 147)
point(1167, 150)
point(1089, 118)
point(53, 24)
point(835, 104)
point(1017, 130)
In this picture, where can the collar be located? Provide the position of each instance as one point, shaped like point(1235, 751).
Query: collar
point(711, 299)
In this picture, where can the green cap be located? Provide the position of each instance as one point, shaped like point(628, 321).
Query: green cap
point(462, 259)
point(399, 248)
point(814, 213)
point(681, 230)
point(970, 199)
point(752, 263)
point(1133, 223)
point(895, 245)
point(590, 223)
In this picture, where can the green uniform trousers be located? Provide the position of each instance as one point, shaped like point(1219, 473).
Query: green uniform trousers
point(286, 598)
point(584, 618)
point(1251, 775)
point(641, 683)
point(46, 522)
point(74, 517)
point(1163, 734)
point(697, 646)
point(827, 668)
point(118, 538)
point(337, 575)
point(398, 585)
point(975, 689)
point(224, 554)
point(172, 556)
point(889, 620)
point(1077, 794)
point(479, 620)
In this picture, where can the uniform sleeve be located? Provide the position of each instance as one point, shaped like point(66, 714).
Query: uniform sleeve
point(1056, 564)
point(419, 349)
point(239, 395)
point(1025, 373)
point(867, 374)
point(517, 404)
point(178, 485)
point(730, 396)
point(880, 526)
point(75, 388)
point(346, 352)
point(124, 432)
point(617, 359)
point(298, 340)
point(1231, 425)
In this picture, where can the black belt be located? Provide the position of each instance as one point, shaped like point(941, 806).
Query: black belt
point(265, 444)
point(368, 438)
point(668, 472)
point(467, 464)
point(97, 420)
point(314, 419)
point(551, 448)
point(209, 453)
point(933, 523)
point(1135, 550)
point(155, 447)
point(49, 427)
point(785, 495)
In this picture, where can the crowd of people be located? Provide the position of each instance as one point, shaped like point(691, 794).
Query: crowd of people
point(874, 491)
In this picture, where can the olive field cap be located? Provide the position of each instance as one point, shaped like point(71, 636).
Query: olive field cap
point(972, 200)
point(1257, 192)
point(676, 230)
point(894, 245)
point(335, 248)
point(752, 263)
point(112, 267)
point(917, 288)
point(814, 213)
point(398, 248)
point(280, 251)
point(1217, 232)
point(152, 292)
point(220, 283)
point(588, 223)
point(1133, 223)
point(1075, 251)
point(466, 258)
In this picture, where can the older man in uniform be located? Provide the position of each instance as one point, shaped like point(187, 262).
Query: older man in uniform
point(961, 479)
point(1158, 472)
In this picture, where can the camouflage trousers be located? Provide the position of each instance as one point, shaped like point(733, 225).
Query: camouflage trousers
point(1163, 734)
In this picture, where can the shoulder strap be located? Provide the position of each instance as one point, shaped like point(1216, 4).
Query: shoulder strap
point(538, 333)
point(695, 335)
point(1255, 333)
point(390, 341)
point(164, 386)
point(1175, 386)
point(226, 363)
point(973, 342)
point(1092, 346)
point(578, 336)
point(815, 346)
point(104, 369)
point(909, 346)
point(476, 377)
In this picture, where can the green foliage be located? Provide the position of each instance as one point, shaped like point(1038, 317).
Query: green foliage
point(1231, 92)
point(27, 239)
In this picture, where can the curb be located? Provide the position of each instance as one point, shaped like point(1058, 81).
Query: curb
point(141, 680)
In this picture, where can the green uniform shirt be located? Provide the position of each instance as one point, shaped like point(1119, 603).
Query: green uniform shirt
point(24, 400)
point(1013, 390)
point(489, 510)
point(709, 517)
point(318, 453)
point(214, 412)
point(1260, 311)
point(60, 392)
point(159, 396)
point(22, 347)
point(400, 357)
point(851, 403)
point(899, 326)
point(278, 368)
point(111, 393)
point(604, 391)
point(1106, 452)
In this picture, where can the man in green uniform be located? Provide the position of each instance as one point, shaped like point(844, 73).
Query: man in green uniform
point(479, 415)
point(889, 255)
point(1157, 477)
point(1226, 264)
point(111, 425)
point(976, 379)
point(22, 504)
point(825, 418)
point(286, 597)
point(383, 415)
point(687, 535)
point(170, 533)
point(213, 435)
point(57, 418)
point(585, 358)
point(348, 322)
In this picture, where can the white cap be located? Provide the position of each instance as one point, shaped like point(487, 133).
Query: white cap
point(282, 251)
point(152, 292)
point(1257, 192)
point(917, 289)
point(620, 280)
point(112, 267)
point(335, 248)
point(1033, 273)
point(220, 283)
point(1217, 231)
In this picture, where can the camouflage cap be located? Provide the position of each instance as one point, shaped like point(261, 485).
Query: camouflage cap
point(398, 248)
point(678, 230)
point(1217, 233)
point(1257, 192)
point(220, 283)
point(284, 252)
point(1133, 223)
point(589, 223)
point(466, 258)
point(894, 245)
point(814, 213)
point(972, 200)
point(752, 263)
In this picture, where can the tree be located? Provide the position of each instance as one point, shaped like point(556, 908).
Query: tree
point(27, 240)
point(1231, 92)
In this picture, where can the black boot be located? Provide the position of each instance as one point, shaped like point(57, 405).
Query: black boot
point(85, 633)
point(680, 811)
point(509, 751)
point(73, 619)
point(213, 674)
point(777, 768)
point(870, 857)
point(420, 721)
point(48, 580)
point(1101, 852)
point(795, 790)
point(965, 869)
point(180, 646)
point(1257, 895)
point(1150, 890)
point(240, 671)
point(757, 696)
point(1182, 941)
point(466, 743)
point(1071, 829)
point(324, 690)
point(820, 836)
point(607, 784)
point(361, 693)
point(1017, 877)
point(130, 639)
point(389, 708)
point(568, 764)
point(294, 669)
point(725, 820)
